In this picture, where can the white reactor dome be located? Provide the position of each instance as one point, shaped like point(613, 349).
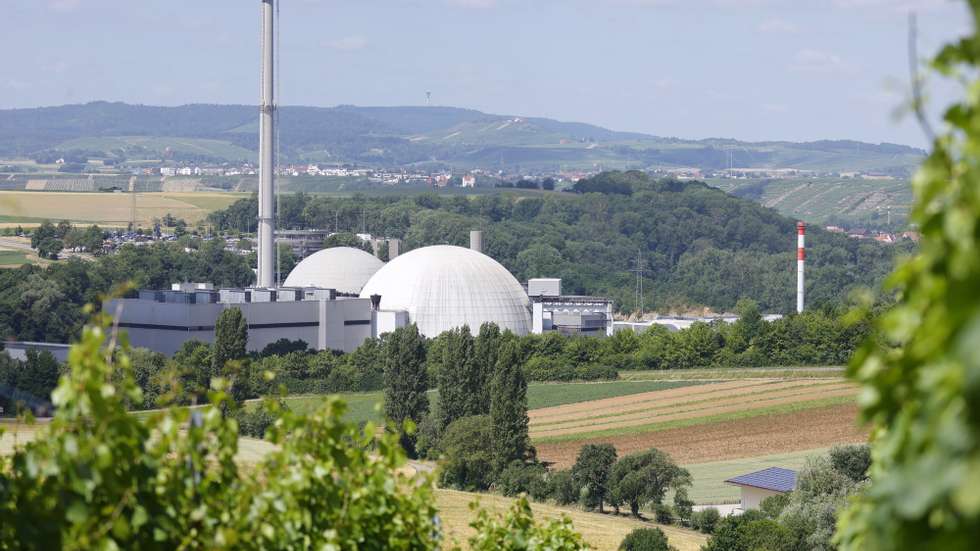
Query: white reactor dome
point(444, 287)
point(345, 269)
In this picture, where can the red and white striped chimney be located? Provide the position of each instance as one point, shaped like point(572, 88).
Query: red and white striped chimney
point(800, 262)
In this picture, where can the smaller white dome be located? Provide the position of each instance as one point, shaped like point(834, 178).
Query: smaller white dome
point(345, 269)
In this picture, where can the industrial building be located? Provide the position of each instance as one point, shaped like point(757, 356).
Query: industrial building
point(344, 269)
point(164, 320)
point(567, 314)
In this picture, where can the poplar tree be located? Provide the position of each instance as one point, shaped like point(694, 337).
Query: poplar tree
point(508, 408)
point(486, 347)
point(458, 377)
point(406, 381)
point(230, 342)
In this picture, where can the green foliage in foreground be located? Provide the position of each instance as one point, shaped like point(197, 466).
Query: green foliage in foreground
point(517, 531)
point(99, 478)
point(922, 390)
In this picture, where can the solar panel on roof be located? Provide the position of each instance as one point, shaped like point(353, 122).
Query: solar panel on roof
point(774, 478)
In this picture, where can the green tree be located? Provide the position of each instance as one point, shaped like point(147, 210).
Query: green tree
point(405, 381)
point(517, 531)
point(346, 239)
point(646, 539)
point(591, 472)
point(466, 454)
point(644, 477)
point(486, 348)
point(508, 408)
point(920, 378)
point(458, 377)
point(229, 351)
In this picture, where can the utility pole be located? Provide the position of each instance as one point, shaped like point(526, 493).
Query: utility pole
point(638, 291)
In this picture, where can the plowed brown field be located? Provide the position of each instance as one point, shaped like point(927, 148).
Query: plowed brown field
point(680, 404)
point(751, 437)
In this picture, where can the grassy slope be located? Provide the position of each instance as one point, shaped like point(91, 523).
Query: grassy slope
point(361, 405)
point(603, 532)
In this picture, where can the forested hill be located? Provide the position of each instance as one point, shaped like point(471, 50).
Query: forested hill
point(700, 247)
point(406, 136)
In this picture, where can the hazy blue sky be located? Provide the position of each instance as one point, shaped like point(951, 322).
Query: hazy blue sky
point(748, 69)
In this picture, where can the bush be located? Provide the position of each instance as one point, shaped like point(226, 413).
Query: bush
point(663, 513)
point(683, 506)
point(564, 490)
point(254, 422)
point(705, 520)
point(517, 531)
point(518, 477)
point(467, 463)
point(645, 539)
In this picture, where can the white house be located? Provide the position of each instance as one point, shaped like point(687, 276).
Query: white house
point(759, 485)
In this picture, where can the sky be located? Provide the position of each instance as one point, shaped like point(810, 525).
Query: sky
point(746, 69)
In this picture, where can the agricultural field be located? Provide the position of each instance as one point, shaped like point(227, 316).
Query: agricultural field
point(13, 259)
point(108, 209)
point(361, 405)
point(820, 200)
point(156, 146)
point(712, 422)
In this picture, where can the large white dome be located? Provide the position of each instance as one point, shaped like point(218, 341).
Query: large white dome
point(345, 269)
point(444, 287)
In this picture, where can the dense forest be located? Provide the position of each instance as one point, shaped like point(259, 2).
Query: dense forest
point(698, 246)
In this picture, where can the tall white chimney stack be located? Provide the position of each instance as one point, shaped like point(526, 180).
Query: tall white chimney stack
point(267, 124)
point(800, 263)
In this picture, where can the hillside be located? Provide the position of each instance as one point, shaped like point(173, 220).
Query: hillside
point(408, 136)
point(700, 246)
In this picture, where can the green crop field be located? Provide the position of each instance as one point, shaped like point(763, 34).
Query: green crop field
point(13, 258)
point(361, 405)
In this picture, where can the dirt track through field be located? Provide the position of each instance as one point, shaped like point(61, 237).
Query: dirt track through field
point(673, 408)
point(751, 437)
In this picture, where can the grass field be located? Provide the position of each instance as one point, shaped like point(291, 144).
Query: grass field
point(709, 478)
point(361, 405)
point(603, 532)
point(197, 146)
point(12, 259)
point(110, 209)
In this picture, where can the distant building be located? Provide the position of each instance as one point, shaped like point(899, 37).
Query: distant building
point(759, 485)
point(468, 181)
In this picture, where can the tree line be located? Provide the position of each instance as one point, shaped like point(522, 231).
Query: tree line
point(698, 246)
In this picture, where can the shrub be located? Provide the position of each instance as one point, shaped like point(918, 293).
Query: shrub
point(683, 506)
point(663, 513)
point(517, 531)
point(254, 422)
point(466, 462)
point(708, 520)
point(564, 490)
point(646, 539)
point(518, 477)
